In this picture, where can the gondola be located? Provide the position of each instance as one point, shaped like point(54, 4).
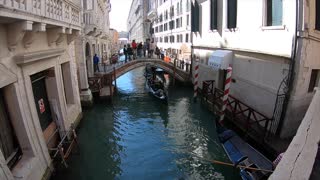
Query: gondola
point(155, 85)
point(241, 153)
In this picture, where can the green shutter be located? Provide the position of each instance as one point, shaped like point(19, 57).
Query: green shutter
point(197, 22)
point(193, 18)
point(213, 14)
point(232, 14)
point(317, 14)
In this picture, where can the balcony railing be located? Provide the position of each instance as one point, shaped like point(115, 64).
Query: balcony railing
point(61, 10)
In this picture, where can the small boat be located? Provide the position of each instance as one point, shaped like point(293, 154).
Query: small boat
point(241, 153)
point(156, 88)
point(155, 85)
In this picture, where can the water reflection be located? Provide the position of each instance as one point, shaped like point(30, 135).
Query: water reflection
point(138, 137)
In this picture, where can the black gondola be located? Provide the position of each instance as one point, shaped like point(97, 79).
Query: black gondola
point(155, 84)
point(241, 153)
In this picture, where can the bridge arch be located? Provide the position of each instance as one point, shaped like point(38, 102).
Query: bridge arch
point(179, 74)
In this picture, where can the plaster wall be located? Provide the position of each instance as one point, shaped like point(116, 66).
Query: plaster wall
point(22, 108)
point(256, 78)
point(251, 34)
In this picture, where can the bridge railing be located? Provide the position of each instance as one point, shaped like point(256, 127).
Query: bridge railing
point(179, 64)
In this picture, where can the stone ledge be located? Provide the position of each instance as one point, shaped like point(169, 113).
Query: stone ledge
point(27, 58)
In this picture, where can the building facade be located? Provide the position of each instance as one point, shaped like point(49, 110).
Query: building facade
point(273, 54)
point(95, 39)
point(137, 24)
point(114, 43)
point(39, 91)
point(171, 25)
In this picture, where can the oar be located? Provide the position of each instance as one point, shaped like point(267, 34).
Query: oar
point(240, 166)
point(230, 164)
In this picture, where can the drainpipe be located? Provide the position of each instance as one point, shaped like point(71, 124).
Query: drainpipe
point(291, 68)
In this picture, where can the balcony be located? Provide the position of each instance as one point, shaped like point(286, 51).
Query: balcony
point(56, 12)
point(152, 14)
point(93, 23)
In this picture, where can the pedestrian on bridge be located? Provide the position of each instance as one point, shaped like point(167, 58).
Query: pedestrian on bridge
point(130, 52)
point(134, 48)
point(151, 49)
point(96, 63)
point(125, 52)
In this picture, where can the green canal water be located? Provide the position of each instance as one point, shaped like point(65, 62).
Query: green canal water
point(138, 137)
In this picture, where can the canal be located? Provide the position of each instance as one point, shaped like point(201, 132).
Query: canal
point(138, 137)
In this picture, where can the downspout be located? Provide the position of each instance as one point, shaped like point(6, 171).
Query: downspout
point(291, 70)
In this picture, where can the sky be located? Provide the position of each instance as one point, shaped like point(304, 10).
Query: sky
point(119, 14)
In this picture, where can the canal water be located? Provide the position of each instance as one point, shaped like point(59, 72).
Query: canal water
point(138, 137)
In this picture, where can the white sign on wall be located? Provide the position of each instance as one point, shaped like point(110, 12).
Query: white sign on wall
point(220, 59)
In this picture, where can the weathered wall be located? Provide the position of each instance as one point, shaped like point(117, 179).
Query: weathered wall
point(298, 160)
point(22, 108)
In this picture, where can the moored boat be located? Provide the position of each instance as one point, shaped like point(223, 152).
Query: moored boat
point(241, 153)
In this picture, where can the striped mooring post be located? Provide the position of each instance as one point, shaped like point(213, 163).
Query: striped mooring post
point(196, 77)
point(225, 93)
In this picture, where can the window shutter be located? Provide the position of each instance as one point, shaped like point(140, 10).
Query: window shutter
point(276, 12)
point(317, 14)
point(232, 14)
point(197, 17)
point(195, 26)
point(213, 14)
point(193, 18)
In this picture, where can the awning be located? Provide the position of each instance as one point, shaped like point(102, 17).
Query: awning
point(220, 59)
point(6, 77)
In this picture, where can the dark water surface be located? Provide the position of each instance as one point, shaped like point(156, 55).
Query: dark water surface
point(139, 137)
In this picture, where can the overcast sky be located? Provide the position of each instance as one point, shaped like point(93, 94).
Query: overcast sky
point(119, 14)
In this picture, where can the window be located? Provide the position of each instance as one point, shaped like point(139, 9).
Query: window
point(178, 8)
point(160, 18)
point(165, 27)
point(188, 6)
point(180, 21)
point(188, 16)
point(161, 28)
point(177, 23)
point(181, 40)
point(213, 14)
point(317, 15)
point(166, 15)
point(178, 38)
point(67, 83)
point(232, 14)
point(166, 39)
point(274, 12)
point(8, 141)
point(160, 39)
point(314, 79)
point(157, 30)
point(187, 37)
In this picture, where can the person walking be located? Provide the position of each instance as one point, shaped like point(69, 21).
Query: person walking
point(134, 48)
point(145, 48)
point(151, 49)
point(157, 52)
point(130, 52)
point(139, 49)
point(125, 52)
point(96, 63)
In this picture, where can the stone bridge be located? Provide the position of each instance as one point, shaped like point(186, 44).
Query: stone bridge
point(122, 68)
